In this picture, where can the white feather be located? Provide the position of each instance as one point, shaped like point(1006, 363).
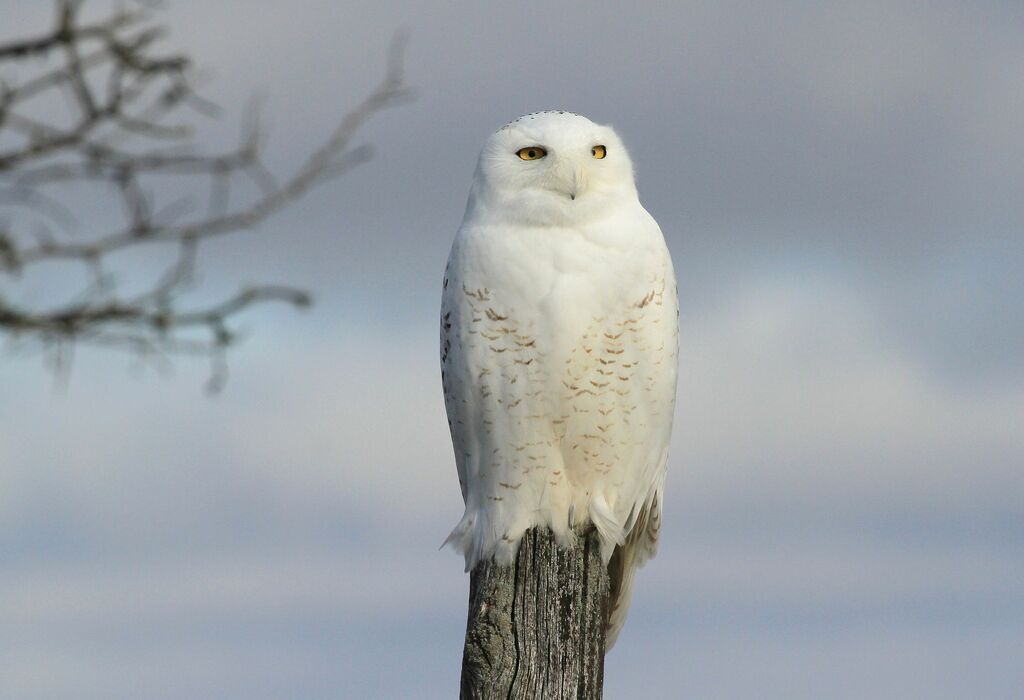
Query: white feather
point(559, 348)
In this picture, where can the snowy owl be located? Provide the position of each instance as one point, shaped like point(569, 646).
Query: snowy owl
point(558, 348)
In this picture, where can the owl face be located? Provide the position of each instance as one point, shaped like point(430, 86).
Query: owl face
point(553, 168)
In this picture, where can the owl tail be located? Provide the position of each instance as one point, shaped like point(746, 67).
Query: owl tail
point(640, 545)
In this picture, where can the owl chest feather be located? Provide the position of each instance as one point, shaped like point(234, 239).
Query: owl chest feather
point(568, 347)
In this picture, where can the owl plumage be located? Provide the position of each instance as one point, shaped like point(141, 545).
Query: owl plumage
point(559, 348)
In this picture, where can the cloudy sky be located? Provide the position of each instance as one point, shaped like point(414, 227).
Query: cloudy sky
point(840, 186)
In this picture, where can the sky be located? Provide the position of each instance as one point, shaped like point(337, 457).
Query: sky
point(839, 185)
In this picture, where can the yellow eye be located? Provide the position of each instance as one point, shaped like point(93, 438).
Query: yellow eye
point(599, 152)
point(531, 153)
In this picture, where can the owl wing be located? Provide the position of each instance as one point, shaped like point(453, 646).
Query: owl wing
point(495, 361)
point(468, 368)
point(654, 353)
point(454, 379)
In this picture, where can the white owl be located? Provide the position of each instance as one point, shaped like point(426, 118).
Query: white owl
point(559, 348)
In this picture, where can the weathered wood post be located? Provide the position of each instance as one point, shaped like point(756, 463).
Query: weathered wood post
point(537, 629)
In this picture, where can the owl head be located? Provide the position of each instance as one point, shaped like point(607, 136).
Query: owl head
point(552, 168)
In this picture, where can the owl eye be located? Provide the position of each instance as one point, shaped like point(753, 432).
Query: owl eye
point(599, 152)
point(531, 153)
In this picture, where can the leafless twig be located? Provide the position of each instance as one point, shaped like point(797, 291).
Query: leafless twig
point(118, 133)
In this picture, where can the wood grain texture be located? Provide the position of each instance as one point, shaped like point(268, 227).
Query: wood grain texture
point(537, 629)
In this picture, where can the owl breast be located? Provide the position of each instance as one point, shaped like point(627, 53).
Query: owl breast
point(559, 376)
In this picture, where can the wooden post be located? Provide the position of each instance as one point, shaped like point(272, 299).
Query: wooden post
point(537, 629)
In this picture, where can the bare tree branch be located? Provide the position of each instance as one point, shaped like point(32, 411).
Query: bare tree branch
point(118, 134)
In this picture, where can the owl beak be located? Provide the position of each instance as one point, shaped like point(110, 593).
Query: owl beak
point(579, 183)
point(572, 181)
